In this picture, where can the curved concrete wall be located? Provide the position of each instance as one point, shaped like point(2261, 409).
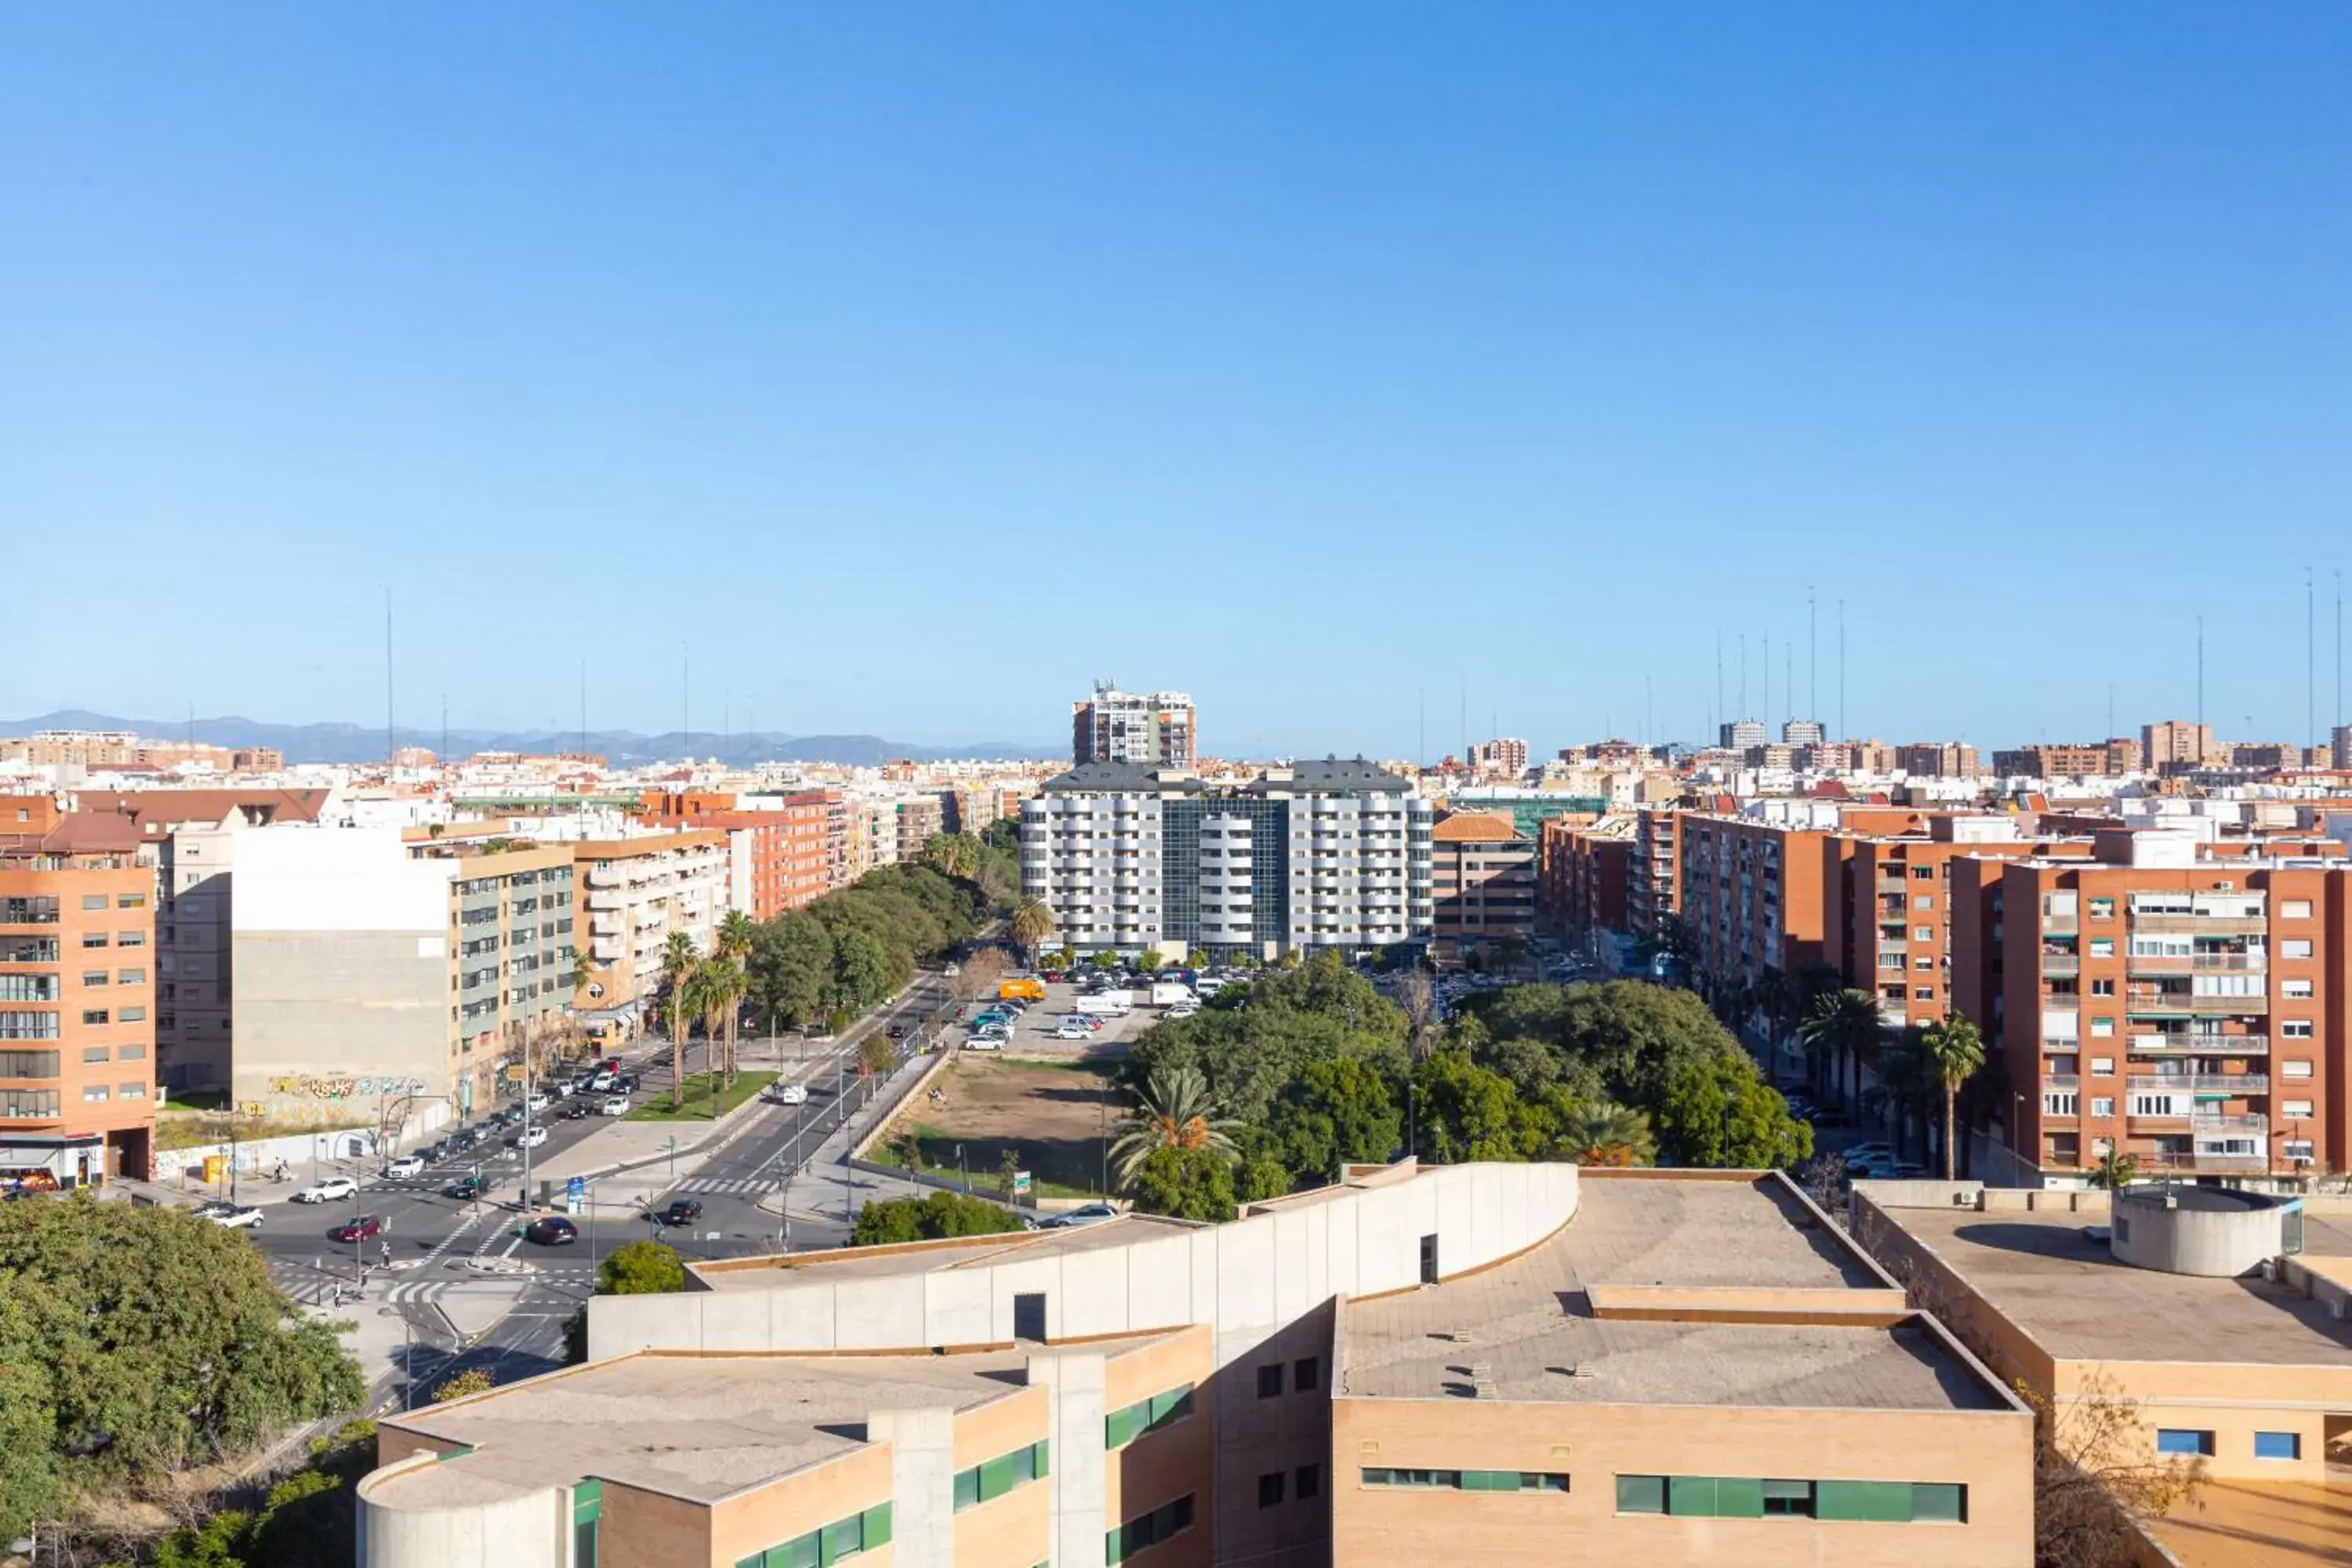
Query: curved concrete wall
point(530, 1530)
point(1244, 1279)
point(2222, 1243)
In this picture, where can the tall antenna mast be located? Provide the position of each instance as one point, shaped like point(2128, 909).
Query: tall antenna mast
point(1767, 714)
point(1813, 659)
point(1843, 733)
point(1718, 675)
point(388, 745)
point(2201, 679)
point(583, 707)
point(445, 729)
point(2310, 664)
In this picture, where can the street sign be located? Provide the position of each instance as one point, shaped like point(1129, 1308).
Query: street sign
point(1020, 1184)
point(575, 1194)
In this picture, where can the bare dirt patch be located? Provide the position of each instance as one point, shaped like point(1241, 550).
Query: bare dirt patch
point(1051, 1114)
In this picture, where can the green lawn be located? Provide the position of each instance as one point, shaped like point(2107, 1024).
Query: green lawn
point(197, 1100)
point(1056, 1171)
point(698, 1105)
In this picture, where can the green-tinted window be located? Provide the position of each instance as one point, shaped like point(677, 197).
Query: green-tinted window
point(1490, 1481)
point(1883, 1501)
point(1738, 1497)
point(587, 1501)
point(843, 1538)
point(967, 1488)
point(583, 1544)
point(1641, 1494)
point(1172, 1406)
point(1543, 1481)
point(801, 1551)
point(876, 1522)
point(1788, 1498)
point(1691, 1495)
point(996, 1476)
point(1940, 1502)
point(1041, 1458)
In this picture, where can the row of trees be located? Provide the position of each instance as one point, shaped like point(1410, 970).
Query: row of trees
point(1278, 1085)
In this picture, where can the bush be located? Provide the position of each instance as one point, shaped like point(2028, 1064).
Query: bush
point(931, 1218)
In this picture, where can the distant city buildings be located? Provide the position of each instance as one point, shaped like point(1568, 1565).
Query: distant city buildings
point(1483, 877)
point(1503, 757)
point(1159, 730)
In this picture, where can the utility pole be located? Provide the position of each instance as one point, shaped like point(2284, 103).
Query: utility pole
point(1813, 659)
point(2310, 663)
point(1844, 735)
point(2200, 680)
point(583, 707)
point(1743, 675)
point(1766, 716)
point(1718, 675)
point(390, 746)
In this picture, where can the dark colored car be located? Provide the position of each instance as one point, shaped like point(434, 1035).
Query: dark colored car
point(898, 1031)
point(681, 1211)
point(577, 1111)
point(465, 1187)
point(359, 1228)
point(552, 1231)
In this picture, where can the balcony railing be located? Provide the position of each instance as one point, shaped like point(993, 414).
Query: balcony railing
point(2186, 1045)
point(2231, 1083)
point(2202, 925)
point(2055, 923)
point(2061, 963)
point(2143, 998)
point(2194, 963)
point(2206, 1165)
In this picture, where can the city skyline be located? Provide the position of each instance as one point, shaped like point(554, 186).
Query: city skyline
point(821, 343)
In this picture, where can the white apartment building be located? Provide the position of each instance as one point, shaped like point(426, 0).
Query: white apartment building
point(636, 892)
point(1321, 855)
point(1161, 728)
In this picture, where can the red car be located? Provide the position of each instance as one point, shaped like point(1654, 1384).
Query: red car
point(359, 1228)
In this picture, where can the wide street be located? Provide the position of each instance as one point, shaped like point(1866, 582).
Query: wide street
point(465, 1286)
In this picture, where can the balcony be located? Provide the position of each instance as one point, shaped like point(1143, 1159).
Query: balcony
point(2234, 1084)
point(2055, 924)
point(2194, 963)
point(2061, 963)
point(2206, 1165)
point(2186, 1045)
point(2202, 925)
point(2148, 999)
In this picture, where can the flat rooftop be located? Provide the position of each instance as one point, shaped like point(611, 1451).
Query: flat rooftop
point(2078, 1302)
point(969, 1252)
point(691, 1427)
point(1525, 1330)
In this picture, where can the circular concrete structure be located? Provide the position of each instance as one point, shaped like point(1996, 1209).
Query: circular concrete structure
point(2215, 1231)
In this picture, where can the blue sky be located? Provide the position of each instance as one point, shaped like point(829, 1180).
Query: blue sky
point(915, 363)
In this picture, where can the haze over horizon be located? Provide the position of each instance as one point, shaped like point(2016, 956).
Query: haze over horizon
point(914, 368)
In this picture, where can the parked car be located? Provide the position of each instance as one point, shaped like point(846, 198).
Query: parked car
point(789, 1093)
point(574, 1112)
point(1870, 1149)
point(230, 1215)
point(464, 1187)
point(359, 1228)
point(327, 1191)
point(1068, 1031)
point(985, 1043)
point(406, 1165)
point(539, 1103)
point(553, 1230)
point(898, 1031)
point(602, 1082)
point(531, 1137)
point(1085, 1215)
point(681, 1211)
point(616, 1105)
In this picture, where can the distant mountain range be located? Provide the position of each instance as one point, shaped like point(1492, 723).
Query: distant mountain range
point(623, 748)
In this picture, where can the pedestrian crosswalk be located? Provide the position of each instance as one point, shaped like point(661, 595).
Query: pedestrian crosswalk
point(724, 1186)
point(422, 1292)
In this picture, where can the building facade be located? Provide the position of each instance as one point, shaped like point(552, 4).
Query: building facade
point(1483, 877)
point(2102, 759)
point(1937, 760)
point(1321, 855)
point(632, 893)
point(76, 1013)
point(1583, 876)
point(1160, 730)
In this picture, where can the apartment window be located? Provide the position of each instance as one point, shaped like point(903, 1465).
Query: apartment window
point(93, 939)
point(1923, 900)
point(2192, 1440)
point(843, 1538)
point(93, 1054)
point(94, 1015)
point(2103, 909)
point(131, 1015)
point(1270, 1489)
point(131, 1053)
point(2296, 990)
point(2295, 1069)
point(1922, 994)
point(2102, 1107)
point(131, 902)
point(1121, 1428)
point(2294, 1029)
point(93, 1093)
point(93, 900)
point(131, 939)
point(2103, 1067)
point(131, 1091)
point(1311, 1482)
point(1923, 873)
point(1922, 933)
point(1394, 1477)
point(2059, 1102)
point(2295, 947)
point(1269, 1381)
point(130, 977)
point(1739, 1496)
point(2278, 1444)
point(2294, 909)
point(2102, 1028)
point(2103, 947)
point(94, 977)
point(2103, 987)
point(2295, 1108)
point(1306, 1374)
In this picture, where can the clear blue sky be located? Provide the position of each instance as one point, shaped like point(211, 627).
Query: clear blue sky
point(918, 362)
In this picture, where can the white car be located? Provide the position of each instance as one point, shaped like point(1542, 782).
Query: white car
point(618, 1105)
point(406, 1165)
point(532, 1137)
point(1073, 1032)
point(791, 1094)
point(538, 1102)
point(985, 1043)
point(327, 1191)
point(602, 1083)
point(229, 1215)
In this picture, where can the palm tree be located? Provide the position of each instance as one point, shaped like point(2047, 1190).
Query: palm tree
point(736, 933)
point(719, 986)
point(1174, 1111)
point(2116, 1170)
point(1032, 923)
point(1955, 1049)
point(1842, 1024)
point(680, 960)
point(1606, 1134)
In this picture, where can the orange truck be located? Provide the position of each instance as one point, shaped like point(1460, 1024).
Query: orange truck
point(1025, 990)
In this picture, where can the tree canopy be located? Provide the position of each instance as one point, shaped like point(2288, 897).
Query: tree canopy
point(929, 1218)
point(135, 1341)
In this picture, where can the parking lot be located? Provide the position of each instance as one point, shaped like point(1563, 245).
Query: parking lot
point(1034, 1031)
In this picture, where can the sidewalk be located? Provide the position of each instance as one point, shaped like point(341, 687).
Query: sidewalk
point(827, 1187)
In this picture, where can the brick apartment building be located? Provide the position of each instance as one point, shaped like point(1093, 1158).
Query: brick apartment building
point(1937, 760)
point(1483, 881)
point(2099, 759)
point(1582, 873)
point(77, 1005)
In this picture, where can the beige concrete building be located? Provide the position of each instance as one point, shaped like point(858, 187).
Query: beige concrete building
point(634, 892)
point(1477, 1364)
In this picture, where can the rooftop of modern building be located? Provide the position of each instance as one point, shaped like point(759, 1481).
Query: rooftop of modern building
point(2039, 1271)
point(765, 1273)
point(1122, 778)
point(1477, 827)
point(1351, 774)
point(693, 1427)
point(159, 810)
point(1760, 1324)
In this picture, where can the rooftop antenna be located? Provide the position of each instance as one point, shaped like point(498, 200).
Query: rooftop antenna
point(2200, 676)
point(583, 707)
point(2340, 655)
point(1813, 658)
point(1767, 714)
point(684, 703)
point(389, 746)
point(1843, 733)
point(1743, 675)
point(2310, 664)
point(1718, 674)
